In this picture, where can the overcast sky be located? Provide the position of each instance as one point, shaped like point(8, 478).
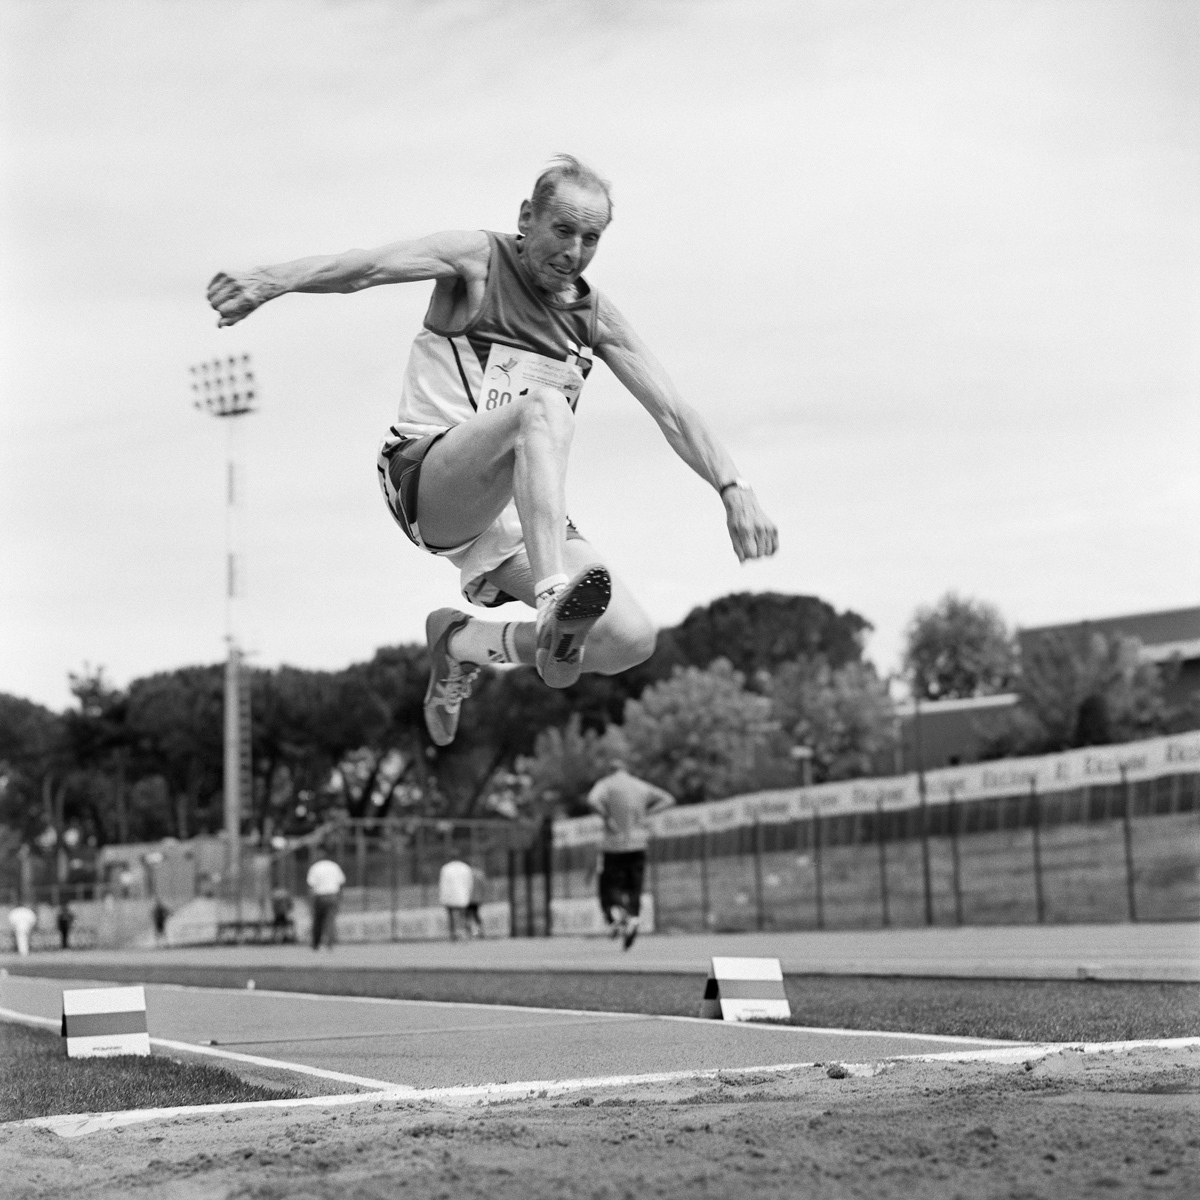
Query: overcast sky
point(929, 269)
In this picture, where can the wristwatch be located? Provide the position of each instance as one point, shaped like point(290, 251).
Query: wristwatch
point(739, 482)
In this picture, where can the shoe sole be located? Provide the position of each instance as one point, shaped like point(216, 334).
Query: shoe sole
point(583, 602)
point(441, 732)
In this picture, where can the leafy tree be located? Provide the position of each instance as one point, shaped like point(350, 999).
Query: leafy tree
point(97, 734)
point(32, 745)
point(1083, 689)
point(174, 726)
point(959, 648)
point(843, 714)
point(702, 736)
point(758, 631)
point(565, 765)
point(305, 724)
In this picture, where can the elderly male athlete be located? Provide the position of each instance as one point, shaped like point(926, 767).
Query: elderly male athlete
point(474, 468)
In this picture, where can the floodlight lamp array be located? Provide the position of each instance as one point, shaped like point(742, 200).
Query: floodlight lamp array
point(224, 387)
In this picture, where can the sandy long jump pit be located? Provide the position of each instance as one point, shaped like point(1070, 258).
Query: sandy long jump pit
point(420, 1099)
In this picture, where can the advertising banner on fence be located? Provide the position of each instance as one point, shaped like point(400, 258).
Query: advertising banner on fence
point(978, 781)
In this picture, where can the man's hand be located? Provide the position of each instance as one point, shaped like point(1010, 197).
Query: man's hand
point(237, 294)
point(751, 531)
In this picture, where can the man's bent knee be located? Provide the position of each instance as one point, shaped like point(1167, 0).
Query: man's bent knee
point(544, 411)
point(619, 645)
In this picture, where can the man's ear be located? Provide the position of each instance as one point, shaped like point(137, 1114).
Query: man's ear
point(524, 217)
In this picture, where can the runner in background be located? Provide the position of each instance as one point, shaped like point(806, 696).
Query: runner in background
point(624, 802)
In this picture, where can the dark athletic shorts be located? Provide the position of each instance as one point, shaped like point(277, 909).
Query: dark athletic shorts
point(399, 466)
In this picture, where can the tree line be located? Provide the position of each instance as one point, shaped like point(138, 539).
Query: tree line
point(752, 691)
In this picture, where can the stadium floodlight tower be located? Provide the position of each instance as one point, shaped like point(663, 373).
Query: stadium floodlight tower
point(225, 387)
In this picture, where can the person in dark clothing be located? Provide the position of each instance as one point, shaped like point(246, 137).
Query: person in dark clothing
point(64, 920)
point(160, 914)
point(325, 881)
point(624, 802)
point(282, 927)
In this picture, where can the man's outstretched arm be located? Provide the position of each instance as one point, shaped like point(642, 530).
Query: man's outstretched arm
point(752, 532)
point(236, 294)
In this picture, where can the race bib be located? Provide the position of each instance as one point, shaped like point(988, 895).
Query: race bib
point(509, 372)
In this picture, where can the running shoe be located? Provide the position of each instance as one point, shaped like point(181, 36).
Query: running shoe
point(580, 604)
point(450, 681)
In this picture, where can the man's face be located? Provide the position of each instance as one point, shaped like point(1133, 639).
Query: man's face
point(562, 240)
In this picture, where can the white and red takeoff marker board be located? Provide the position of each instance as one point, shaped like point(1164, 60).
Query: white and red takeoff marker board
point(100, 1022)
point(745, 989)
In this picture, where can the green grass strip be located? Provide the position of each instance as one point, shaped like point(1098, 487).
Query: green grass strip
point(38, 1080)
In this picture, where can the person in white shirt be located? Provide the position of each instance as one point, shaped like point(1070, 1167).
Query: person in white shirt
point(624, 802)
point(325, 880)
point(478, 891)
point(456, 882)
point(22, 920)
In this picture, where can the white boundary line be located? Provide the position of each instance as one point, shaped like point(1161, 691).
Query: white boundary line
point(1033, 1050)
point(279, 1064)
point(76, 1125)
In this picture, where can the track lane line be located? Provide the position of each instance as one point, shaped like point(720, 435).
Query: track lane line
point(408, 1033)
point(375, 1085)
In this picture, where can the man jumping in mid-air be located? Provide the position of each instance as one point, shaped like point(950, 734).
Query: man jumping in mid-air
point(474, 469)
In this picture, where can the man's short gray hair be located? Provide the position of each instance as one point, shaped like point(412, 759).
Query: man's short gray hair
point(566, 168)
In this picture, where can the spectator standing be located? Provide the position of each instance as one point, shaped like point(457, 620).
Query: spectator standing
point(64, 921)
point(159, 914)
point(325, 880)
point(281, 916)
point(22, 919)
point(478, 891)
point(624, 802)
point(455, 885)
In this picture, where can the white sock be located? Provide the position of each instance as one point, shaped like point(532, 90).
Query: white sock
point(485, 642)
point(546, 591)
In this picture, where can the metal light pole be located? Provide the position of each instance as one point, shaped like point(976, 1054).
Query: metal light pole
point(225, 387)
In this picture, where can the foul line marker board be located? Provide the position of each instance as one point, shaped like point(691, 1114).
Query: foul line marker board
point(100, 1022)
point(745, 989)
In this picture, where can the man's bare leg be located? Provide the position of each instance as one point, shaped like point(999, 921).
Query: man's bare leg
point(517, 452)
point(520, 452)
point(623, 637)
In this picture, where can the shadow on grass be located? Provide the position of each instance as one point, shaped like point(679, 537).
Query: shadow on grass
point(38, 1080)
